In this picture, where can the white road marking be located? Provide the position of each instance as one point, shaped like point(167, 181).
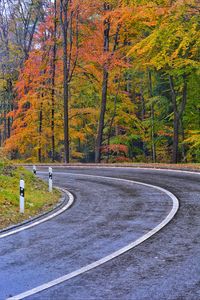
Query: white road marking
point(47, 218)
point(166, 170)
point(99, 167)
point(114, 254)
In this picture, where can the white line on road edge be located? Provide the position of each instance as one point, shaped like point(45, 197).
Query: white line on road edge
point(114, 254)
point(101, 167)
point(35, 223)
point(159, 169)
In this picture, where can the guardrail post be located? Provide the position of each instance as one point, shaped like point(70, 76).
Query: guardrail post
point(50, 179)
point(34, 170)
point(21, 200)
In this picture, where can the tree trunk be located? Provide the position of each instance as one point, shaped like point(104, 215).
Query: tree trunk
point(184, 159)
point(153, 134)
point(64, 20)
point(175, 139)
point(70, 43)
point(9, 127)
point(53, 83)
point(66, 101)
point(112, 121)
point(177, 115)
point(40, 134)
point(199, 117)
point(153, 145)
point(4, 120)
point(9, 106)
point(102, 117)
point(66, 122)
point(175, 123)
point(143, 113)
point(104, 90)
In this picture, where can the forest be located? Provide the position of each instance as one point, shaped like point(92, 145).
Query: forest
point(100, 81)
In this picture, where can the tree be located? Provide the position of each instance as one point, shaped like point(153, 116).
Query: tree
point(173, 48)
point(18, 23)
point(103, 80)
point(53, 72)
point(69, 20)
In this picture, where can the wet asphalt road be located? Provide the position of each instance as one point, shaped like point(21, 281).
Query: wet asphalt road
point(106, 216)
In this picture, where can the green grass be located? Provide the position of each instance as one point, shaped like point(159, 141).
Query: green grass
point(37, 197)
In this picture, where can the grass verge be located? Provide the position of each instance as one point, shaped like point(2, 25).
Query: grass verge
point(37, 197)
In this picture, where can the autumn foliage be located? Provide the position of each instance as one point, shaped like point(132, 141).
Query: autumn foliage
point(131, 84)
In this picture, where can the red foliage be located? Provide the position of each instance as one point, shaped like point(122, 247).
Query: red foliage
point(115, 149)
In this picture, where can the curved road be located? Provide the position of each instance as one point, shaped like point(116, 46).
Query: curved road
point(107, 215)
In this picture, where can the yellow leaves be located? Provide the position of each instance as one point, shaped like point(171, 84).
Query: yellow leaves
point(147, 14)
point(76, 155)
point(172, 44)
point(2, 84)
point(174, 39)
point(76, 134)
point(194, 138)
point(81, 121)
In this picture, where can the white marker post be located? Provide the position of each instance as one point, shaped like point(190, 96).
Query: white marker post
point(50, 179)
point(34, 170)
point(21, 201)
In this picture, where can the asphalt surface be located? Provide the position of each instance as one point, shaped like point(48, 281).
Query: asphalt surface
point(106, 216)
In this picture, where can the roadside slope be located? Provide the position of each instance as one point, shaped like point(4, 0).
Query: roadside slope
point(37, 197)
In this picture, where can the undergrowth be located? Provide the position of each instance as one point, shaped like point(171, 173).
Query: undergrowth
point(37, 197)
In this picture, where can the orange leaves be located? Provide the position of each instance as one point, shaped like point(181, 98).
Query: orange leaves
point(115, 149)
point(92, 52)
point(147, 14)
point(116, 152)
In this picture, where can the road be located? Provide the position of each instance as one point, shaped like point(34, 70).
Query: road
point(106, 216)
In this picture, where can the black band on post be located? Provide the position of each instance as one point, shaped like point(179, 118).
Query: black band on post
point(21, 192)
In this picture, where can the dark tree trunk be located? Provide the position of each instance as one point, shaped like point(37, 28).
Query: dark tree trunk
point(40, 134)
point(183, 104)
point(199, 117)
point(184, 159)
point(9, 126)
point(143, 113)
point(69, 63)
point(66, 100)
point(153, 134)
point(177, 115)
point(9, 106)
point(153, 145)
point(53, 83)
point(64, 26)
point(4, 120)
point(111, 122)
point(104, 90)
point(175, 139)
point(66, 121)
point(143, 106)
point(102, 117)
point(175, 122)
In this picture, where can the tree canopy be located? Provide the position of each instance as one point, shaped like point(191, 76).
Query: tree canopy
point(104, 81)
